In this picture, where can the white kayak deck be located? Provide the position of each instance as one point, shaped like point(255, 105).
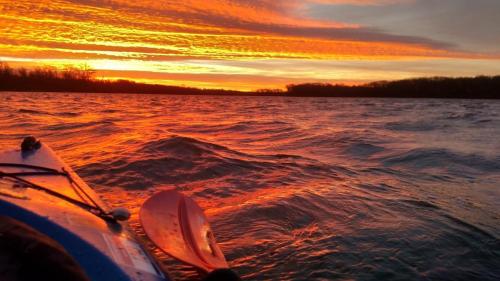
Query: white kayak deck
point(105, 250)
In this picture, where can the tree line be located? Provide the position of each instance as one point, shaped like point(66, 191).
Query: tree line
point(82, 79)
point(480, 87)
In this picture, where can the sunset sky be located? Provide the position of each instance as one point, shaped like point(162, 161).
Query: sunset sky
point(246, 45)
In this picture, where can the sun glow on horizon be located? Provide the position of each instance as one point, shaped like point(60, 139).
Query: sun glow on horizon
point(222, 43)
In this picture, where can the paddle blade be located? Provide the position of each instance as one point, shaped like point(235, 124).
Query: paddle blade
point(178, 226)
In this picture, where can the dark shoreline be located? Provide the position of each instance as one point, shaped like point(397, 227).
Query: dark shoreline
point(76, 80)
point(253, 94)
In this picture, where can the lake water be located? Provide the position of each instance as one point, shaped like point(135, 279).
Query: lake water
point(295, 188)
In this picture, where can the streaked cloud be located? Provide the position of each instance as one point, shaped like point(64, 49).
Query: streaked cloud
point(463, 24)
point(361, 2)
point(168, 41)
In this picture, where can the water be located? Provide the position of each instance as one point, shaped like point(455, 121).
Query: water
point(295, 188)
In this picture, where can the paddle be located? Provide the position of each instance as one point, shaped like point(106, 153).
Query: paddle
point(178, 226)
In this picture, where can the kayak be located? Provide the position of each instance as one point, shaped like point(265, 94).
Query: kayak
point(58, 215)
point(53, 226)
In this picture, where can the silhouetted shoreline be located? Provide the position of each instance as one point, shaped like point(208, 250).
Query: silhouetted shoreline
point(81, 80)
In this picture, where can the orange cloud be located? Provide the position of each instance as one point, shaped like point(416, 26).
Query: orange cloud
point(145, 36)
point(169, 30)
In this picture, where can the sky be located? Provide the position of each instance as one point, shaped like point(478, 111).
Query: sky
point(249, 45)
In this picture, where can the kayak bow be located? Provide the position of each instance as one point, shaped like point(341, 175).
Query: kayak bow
point(43, 202)
point(39, 192)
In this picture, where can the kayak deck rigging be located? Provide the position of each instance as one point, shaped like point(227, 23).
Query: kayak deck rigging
point(94, 208)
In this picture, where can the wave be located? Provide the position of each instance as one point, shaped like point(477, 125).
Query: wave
point(245, 128)
point(420, 204)
point(182, 160)
point(182, 146)
point(480, 121)
point(41, 112)
point(33, 111)
point(460, 115)
point(67, 114)
point(419, 159)
point(471, 230)
point(414, 126)
point(79, 125)
point(363, 149)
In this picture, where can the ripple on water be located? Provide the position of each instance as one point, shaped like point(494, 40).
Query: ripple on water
point(456, 163)
point(296, 189)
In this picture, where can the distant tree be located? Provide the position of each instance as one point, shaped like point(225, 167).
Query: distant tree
point(79, 72)
point(270, 91)
point(22, 72)
point(5, 69)
point(87, 72)
point(81, 79)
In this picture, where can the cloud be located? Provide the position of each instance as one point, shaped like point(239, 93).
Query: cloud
point(211, 29)
point(236, 40)
point(464, 24)
point(263, 16)
point(360, 2)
